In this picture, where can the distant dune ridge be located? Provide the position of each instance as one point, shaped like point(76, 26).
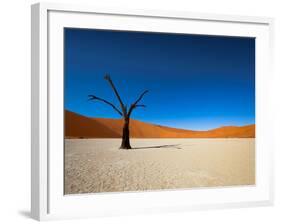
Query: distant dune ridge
point(78, 126)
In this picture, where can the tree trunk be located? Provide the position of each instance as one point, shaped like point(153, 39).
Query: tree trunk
point(126, 135)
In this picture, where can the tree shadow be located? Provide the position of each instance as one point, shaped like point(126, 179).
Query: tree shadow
point(176, 146)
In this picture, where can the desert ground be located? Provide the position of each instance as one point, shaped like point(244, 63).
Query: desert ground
point(97, 165)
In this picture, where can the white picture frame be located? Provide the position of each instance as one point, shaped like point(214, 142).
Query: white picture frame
point(47, 198)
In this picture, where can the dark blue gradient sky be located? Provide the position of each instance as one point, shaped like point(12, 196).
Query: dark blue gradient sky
point(195, 82)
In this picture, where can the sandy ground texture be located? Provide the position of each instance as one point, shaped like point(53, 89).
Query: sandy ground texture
point(97, 165)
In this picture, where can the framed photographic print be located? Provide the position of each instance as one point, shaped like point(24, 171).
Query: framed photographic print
point(148, 111)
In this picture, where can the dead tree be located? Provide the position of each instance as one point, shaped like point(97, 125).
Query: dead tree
point(123, 111)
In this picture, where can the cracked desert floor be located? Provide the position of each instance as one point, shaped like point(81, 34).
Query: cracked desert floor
point(97, 165)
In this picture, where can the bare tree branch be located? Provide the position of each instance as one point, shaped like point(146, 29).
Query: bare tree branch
point(140, 97)
point(140, 105)
point(107, 77)
point(92, 97)
point(135, 104)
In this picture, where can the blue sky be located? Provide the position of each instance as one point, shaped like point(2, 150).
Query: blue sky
point(195, 82)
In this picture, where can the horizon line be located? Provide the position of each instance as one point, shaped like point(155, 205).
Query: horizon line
point(222, 126)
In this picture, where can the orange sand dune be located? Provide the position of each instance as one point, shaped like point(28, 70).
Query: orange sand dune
point(78, 126)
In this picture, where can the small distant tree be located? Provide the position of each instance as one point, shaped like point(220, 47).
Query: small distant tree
point(123, 111)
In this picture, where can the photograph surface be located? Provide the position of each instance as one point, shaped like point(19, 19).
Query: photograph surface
point(150, 111)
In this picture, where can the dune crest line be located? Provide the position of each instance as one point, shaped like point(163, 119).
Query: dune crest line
point(79, 126)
